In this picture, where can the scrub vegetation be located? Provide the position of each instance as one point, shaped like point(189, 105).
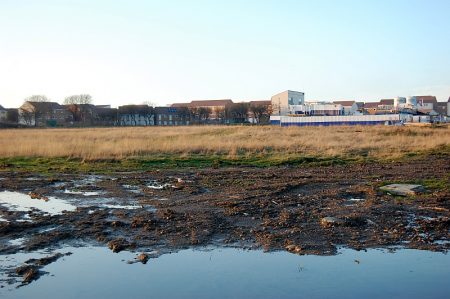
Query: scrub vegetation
point(206, 146)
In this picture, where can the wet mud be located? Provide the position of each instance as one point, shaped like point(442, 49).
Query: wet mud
point(304, 210)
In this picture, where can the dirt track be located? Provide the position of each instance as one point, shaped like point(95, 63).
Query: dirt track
point(275, 208)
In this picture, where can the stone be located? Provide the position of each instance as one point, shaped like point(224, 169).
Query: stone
point(118, 245)
point(294, 248)
point(330, 221)
point(28, 272)
point(402, 189)
point(143, 258)
point(30, 275)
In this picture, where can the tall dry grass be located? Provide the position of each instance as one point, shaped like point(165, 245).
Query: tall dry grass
point(118, 143)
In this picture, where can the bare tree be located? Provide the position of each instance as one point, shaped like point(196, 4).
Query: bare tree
point(78, 99)
point(78, 105)
point(37, 98)
point(147, 112)
point(184, 114)
point(237, 112)
point(259, 112)
point(133, 114)
point(106, 116)
point(12, 116)
point(37, 108)
point(220, 114)
point(27, 116)
point(275, 107)
point(204, 114)
point(149, 103)
point(194, 114)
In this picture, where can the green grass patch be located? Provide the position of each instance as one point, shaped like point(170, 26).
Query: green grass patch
point(173, 161)
point(436, 184)
point(65, 165)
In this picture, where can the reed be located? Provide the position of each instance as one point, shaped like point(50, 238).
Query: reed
point(230, 141)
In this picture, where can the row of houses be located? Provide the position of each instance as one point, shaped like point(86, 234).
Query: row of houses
point(225, 111)
point(52, 114)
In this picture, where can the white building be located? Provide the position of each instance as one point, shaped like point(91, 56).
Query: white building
point(318, 108)
point(350, 107)
point(426, 104)
point(281, 102)
point(448, 107)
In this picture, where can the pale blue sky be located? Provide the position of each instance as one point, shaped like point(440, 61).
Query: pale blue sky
point(124, 52)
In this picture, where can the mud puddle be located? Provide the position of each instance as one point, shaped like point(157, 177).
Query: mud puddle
point(17, 201)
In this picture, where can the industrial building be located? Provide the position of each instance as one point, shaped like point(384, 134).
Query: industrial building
point(350, 107)
point(317, 109)
point(282, 102)
point(289, 110)
point(340, 120)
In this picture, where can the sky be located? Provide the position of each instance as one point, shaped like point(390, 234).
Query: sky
point(135, 51)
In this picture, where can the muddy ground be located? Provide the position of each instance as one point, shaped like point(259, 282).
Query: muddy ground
point(272, 208)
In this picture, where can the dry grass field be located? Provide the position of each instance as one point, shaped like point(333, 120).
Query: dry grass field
point(231, 142)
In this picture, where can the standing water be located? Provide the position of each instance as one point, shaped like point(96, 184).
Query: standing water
point(94, 272)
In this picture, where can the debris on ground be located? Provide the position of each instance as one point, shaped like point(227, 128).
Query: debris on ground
point(402, 189)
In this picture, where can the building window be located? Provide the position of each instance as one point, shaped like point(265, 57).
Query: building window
point(159, 117)
point(170, 117)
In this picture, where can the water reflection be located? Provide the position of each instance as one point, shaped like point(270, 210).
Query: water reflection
point(17, 201)
point(234, 273)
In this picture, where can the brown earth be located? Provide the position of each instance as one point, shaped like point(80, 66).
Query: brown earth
point(273, 208)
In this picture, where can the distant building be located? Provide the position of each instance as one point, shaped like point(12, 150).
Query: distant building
point(3, 114)
point(426, 104)
point(216, 108)
point(172, 116)
point(386, 106)
point(281, 102)
point(448, 107)
point(360, 106)
point(12, 116)
point(441, 108)
point(41, 114)
point(263, 110)
point(83, 114)
point(106, 116)
point(318, 109)
point(371, 108)
point(260, 103)
point(350, 107)
point(136, 115)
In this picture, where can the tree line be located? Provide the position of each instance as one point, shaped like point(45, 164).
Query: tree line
point(78, 106)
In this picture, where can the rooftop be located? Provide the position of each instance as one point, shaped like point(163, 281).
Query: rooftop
point(260, 102)
point(211, 103)
point(387, 102)
point(205, 103)
point(45, 105)
point(371, 105)
point(136, 109)
point(345, 103)
point(426, 99)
